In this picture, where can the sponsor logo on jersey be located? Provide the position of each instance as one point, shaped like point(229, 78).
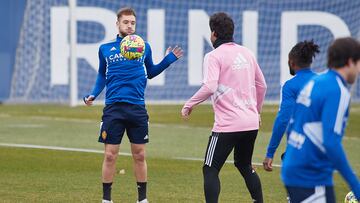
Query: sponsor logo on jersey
point(118, 57)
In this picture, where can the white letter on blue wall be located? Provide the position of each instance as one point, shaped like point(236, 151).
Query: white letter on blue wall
point(156, 39)
point(198, 31)
point(60, 52)
point(250, 30)
point(290, 20)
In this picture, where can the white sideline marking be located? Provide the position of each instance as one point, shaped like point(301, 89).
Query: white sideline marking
point(58, 148)
point(99, 151)
point(83, 120)
point(78, 120)
point(351, 138)
point(3, 115)
point(229, 162)
point(26, 126)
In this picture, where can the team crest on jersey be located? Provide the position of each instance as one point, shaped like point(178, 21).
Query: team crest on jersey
point(103, 135)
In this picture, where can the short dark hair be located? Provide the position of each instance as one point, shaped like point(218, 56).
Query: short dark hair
point(303, 53)
point(341, 50)
point(125, 11)
point(223, 26)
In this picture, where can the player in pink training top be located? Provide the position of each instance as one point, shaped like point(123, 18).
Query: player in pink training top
point(236, 85)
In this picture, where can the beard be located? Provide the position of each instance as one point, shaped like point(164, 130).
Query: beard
point(352, 78)
point(123, 34)
point(126, 33)
point(292, 72)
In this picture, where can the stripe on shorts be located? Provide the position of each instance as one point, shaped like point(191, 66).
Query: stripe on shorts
point(211, 149)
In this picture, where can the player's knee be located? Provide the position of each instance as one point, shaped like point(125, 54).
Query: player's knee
point(243, 168)
point(110, 157)
point(209, 171)
point(139, 156)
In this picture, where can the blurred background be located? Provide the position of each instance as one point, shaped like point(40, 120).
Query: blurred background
point(36, 51)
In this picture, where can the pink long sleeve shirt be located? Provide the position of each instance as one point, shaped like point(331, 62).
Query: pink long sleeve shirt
point(236, 85)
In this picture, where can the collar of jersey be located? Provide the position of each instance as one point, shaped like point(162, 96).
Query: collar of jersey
point(303, 70)
point(118, 38)
point(337, 74)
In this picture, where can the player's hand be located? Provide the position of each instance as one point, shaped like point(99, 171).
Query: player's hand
point(185, 113)
point(259, 120)
point(89, 99)
point(177, 51)
point(267, 164)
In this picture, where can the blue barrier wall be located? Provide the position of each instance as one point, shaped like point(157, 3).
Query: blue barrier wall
point(11, 16)
point(270, 28)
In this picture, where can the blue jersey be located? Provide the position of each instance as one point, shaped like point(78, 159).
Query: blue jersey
point(314, 147)
point(125, 80)
point(290, 91)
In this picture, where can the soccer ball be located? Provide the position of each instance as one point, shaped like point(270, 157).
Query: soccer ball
point(350, 198)
point(132, 47)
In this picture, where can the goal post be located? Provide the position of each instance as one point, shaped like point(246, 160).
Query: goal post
point(73, 57)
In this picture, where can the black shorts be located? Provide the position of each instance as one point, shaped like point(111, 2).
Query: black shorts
point(316, 194)
point(221, 144)
point(119, 117)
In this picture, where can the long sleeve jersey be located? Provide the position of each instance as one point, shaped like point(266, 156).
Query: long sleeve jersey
point(236, 85)
point(314, 147)
point(125, 80)
point(289, 92)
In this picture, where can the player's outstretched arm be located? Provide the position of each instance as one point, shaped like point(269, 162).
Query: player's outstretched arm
point(177, 51)
point(201, 95)
point(208, 88)
point(172, 54)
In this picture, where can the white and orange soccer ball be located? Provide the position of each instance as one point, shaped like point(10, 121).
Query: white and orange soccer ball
point(350, 198)
point(132, 47)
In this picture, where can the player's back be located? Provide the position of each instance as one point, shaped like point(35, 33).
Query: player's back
point(296, 83)
point(235, 101)
point(306, 163)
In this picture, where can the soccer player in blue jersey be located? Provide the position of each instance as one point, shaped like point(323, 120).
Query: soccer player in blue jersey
point(125, 82)
point(314, 148)
point(300, 59)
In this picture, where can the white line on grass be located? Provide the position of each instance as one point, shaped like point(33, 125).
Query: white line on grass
point(58, 148)
point(229, 162)
point(84, 120)
point(26, 126)
point(99, 151)
point(3, 115)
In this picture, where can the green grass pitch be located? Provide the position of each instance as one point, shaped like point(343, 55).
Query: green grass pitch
point(43, 175)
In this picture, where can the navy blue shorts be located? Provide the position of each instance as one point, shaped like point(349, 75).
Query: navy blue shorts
point(316, 194)
point(119, 117)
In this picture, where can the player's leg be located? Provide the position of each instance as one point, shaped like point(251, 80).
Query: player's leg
point(137, 131)
point(242, 159)
point(140, 169)
point(108, 169)
point(307, 195)
point(219, 147)
point(111, 132)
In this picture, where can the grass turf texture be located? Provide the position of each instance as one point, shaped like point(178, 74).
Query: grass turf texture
point(39, 175)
